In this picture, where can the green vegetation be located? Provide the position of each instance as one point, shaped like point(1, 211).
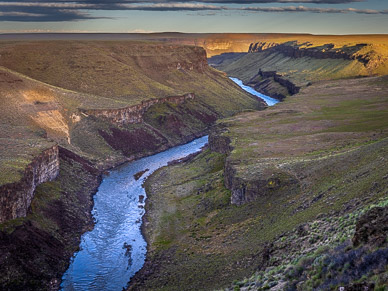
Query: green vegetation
point(328, 255)
point(44, 84)
point(193, 229)
point(316, 160)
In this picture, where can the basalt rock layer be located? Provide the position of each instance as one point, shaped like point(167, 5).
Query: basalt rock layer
point(146, 102)
point(15, 198)
point(327, 51)
point(35, 250)
point(135, 113)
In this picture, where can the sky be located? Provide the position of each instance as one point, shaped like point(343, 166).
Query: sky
point(249, 16)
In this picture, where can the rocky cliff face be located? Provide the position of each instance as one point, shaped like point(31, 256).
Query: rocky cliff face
point(218, 143)
point(246, 189)
point(327, 51)
point(261, 46)
point(266, 76)
point(135, 113)
point(15, 198)
point(266, 181)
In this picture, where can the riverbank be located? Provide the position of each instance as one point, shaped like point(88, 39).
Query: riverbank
point(114, 250)
point(202, 237)
point(67, 210)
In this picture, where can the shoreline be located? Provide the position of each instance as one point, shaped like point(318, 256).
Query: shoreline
point(147, 266)
point(99, 175)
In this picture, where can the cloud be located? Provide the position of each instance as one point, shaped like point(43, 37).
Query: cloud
point(42, 14)
point(106, 4)
point(64, 10)
point(20, 14)
point(171, 7)
point(313, 9)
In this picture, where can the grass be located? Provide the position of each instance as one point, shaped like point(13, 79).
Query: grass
point(368, 58)
point(300, 71)
point(121, 72)
point(191, 225)
point(45, 83)
point(196, 220)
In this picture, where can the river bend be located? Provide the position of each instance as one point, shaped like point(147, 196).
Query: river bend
point(115, 249)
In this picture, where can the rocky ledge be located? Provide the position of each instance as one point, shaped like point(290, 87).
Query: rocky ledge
point(327, 51)
point(135, 113)
point(263, 82)
point(15, 198)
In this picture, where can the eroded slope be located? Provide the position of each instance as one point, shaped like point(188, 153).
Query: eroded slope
point(312, 159)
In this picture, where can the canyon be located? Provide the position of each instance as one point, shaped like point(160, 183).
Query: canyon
point(226, 210)
point(58, 136)
point(280, 192)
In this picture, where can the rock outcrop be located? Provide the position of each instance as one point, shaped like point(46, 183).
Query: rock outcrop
point(219, 143)
point(261, 46)
point(291, 87)
point(327, 51)
point(15, 198)
point(135, 113)
point(264, 182)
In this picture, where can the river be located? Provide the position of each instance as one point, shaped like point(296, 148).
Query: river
point(270, 101)
point(115, 249)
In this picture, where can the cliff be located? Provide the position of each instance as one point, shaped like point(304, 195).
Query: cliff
point(273, 84)
point(135, 113)
point(149, 79)
point(35, 250)
point(265, 182)
point(15, 198)
point(327, 51)
point(218, 142)
point(272, 145)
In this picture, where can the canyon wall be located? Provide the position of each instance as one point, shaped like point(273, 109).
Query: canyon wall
point(15, 198)
point(244, 189)
point(219, 143)
point(291, 87)
point(135, 113)
point(327, 51)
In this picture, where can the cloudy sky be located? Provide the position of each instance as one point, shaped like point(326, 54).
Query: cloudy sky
point(310, 16)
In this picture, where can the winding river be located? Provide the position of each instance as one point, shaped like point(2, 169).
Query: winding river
point(270, 101)
point(115, 249)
